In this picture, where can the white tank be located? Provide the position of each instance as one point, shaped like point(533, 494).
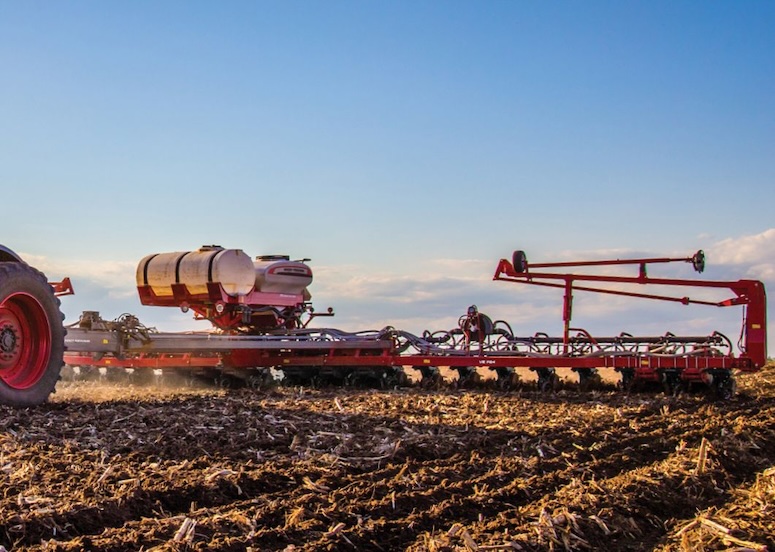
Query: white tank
point(278, 274)
point(231, 268)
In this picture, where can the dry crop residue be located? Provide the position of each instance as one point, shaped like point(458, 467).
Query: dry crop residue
point(120, 468)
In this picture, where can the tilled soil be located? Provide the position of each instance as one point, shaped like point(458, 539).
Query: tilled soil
point(121, 468)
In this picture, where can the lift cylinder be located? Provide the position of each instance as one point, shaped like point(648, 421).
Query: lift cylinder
point(231, 268)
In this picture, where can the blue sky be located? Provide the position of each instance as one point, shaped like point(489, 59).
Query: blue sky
point(403, 146)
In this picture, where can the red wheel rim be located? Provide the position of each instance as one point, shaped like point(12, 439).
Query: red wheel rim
point(25, 341)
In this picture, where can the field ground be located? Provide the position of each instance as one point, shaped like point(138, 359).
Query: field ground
point(111, 467)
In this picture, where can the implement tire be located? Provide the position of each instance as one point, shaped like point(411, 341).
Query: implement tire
point(31, 336)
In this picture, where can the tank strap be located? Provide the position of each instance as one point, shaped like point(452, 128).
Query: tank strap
point(211, 263)
point(177, 266)
point(145, 268)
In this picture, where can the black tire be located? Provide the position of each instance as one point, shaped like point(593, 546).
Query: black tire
point(628, 381)
point(698, 261)
point(431, 378)
point(32, 337)
point(519, 261)
point(726, 389)
point(673, 387)
point(548, 383)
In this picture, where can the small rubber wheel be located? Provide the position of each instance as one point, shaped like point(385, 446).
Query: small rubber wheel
point(698, 261)
point(519, 261)
point(726, 389)
point(31, 336)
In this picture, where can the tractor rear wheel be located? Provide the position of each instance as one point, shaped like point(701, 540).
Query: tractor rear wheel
point(31, 336)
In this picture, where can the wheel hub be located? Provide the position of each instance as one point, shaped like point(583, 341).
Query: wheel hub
point(7, 340)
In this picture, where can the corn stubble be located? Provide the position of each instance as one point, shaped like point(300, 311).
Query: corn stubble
point(118, 468)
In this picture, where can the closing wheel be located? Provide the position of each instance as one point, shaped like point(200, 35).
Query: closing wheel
point(467, 377)
point(507, 378)
point(393, 378)
point(431, 377)
point(589, 378)
point(726, 387)
point(547, 379)
point(31, 336)
point(628, 381)
point(672, 383)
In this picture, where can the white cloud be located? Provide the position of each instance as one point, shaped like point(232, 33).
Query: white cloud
point(117, 276)
point(757, 251)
